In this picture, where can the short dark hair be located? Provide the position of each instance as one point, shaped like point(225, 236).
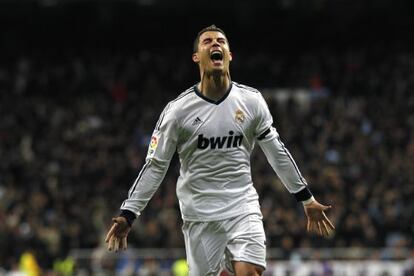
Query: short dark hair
point(211, 28)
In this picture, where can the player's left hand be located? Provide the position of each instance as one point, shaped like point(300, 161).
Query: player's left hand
point(318, 222)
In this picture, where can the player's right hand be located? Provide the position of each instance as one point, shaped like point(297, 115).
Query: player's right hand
point(117, 235)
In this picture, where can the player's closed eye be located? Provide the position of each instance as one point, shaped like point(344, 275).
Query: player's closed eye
point(207, 41)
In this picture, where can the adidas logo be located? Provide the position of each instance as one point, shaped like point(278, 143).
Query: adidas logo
point(197, 121)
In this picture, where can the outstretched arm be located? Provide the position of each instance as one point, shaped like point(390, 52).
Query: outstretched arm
point(161, 149)
point(285, 167)
point(287, 170)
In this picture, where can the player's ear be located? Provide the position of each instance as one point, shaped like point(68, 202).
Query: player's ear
point(230, 56)
point(195, 57)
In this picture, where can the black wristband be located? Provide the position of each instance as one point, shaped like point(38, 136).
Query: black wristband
point(303, 194)
point(128, 215)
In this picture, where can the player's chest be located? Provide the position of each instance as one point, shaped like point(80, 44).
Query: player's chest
point(216, 122)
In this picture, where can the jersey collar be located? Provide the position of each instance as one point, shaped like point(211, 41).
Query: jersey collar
point(198, 93)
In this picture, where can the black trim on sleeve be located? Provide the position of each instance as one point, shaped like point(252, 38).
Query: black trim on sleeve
point(129, 216)
point(303, 194)
point(263, 135)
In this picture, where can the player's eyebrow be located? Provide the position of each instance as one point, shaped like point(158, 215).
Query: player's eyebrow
point(208, 39)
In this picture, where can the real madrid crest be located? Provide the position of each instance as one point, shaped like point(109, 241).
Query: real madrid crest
point(240, 117)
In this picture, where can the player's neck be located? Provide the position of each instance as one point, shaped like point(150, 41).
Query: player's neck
point(214, 87)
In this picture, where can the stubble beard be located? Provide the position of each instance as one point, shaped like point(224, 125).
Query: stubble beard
point(216, 74)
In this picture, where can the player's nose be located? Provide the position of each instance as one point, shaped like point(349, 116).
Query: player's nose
point(215, 44)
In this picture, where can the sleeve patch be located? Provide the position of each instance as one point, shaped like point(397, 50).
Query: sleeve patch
point(153, 145)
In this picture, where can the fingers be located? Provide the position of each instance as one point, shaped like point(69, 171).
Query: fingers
point(123, 243)
point(326, 219)
point(325, 207)
point(312, 227)
point(320, 229)
point(318, 222)
point(115, 240)
point(326, 230)
point(112, 241)
point(111, 238)
point(116, 244)
point(111, 232)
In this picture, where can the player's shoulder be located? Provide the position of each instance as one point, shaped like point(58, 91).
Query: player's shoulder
point(173, 107)
point(184, 96)
point(248, 93)
point(246, 88)
point(177, 103)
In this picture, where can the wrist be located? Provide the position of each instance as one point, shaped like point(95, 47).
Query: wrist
point(303, 195)
point(128, 215)
point(308, 201)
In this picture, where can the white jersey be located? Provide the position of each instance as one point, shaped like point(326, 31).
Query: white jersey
point(214, 141)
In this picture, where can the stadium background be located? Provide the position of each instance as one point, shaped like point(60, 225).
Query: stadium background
point(83, 82)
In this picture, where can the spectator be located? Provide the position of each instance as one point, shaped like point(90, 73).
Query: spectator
point(63, 123)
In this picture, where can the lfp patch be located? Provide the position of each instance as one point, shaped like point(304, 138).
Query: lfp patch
point(153, 146)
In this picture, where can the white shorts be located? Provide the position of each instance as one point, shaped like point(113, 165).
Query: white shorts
point(213, 245)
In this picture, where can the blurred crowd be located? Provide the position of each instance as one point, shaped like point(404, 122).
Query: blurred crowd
point(74, 131)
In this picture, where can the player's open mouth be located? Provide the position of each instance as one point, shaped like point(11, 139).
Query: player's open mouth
point(217, 57)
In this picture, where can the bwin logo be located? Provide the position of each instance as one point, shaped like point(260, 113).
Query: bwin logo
point(219, 142)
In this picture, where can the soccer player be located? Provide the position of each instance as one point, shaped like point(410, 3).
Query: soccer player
point(214, 126)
